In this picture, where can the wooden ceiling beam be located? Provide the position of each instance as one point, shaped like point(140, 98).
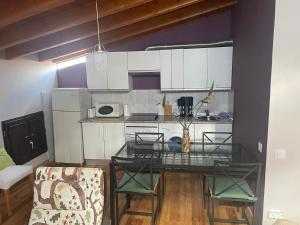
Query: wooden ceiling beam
point(12, 11)
point(59, 19)
point(109, 23)
point(178, 16)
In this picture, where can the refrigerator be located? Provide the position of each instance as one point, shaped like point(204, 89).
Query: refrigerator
point(69, 106)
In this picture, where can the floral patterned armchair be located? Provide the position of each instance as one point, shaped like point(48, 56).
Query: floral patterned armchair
point(68, 195)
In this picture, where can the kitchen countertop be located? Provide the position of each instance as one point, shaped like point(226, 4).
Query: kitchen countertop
point(161, 119)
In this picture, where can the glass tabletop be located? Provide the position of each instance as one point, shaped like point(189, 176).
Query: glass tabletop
point(201, 157)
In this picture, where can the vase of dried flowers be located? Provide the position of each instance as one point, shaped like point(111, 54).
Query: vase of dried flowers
point(187, 120)
point(186, 141)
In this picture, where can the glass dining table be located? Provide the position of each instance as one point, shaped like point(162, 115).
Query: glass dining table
point(169, 157)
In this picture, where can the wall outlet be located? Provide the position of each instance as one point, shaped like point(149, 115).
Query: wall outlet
point(275, 214)
point(260, 147)
point(280, 154)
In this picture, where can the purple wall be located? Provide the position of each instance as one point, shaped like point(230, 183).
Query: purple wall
point(212, 28)
point(143, 82)
point(252, 28)
point(72, 77)
point(200, 30)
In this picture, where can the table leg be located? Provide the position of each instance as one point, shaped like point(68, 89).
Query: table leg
point(112, 195)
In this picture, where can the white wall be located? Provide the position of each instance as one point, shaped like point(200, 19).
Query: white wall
point(282, 187)
point(21, 83)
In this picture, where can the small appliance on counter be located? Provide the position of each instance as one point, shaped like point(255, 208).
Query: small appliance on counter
point(109, 110)
point(91, 113)
point(185, 106)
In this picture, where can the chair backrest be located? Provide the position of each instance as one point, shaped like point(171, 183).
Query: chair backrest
point(149, 138)
point(215, 140)
point(237, 173)
point(70, 188)
point(133, 167)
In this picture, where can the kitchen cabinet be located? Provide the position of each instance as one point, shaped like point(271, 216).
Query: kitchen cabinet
point(195, 68)
point(93, 140)
point(102, 140)
point(114, 138)
point(165, 69)
point(96, 71)
point(210, 127)
point(143, 61)
point(171, 69)
point(104, 70)
point(177, 69)
point(220, 67)
point(117, 71)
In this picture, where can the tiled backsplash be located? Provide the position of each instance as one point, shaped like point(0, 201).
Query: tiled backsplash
point(147, 101)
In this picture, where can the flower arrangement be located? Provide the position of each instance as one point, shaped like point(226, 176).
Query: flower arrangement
point(187, 120)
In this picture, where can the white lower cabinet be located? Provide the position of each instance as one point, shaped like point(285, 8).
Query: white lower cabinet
point(114, 138)
point(102, 140)
point(210, 127)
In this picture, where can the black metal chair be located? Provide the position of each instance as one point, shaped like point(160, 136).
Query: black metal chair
point(216, 139)
point(138, 179)
point(236, 184)
point(214, 142)
point(151, 139)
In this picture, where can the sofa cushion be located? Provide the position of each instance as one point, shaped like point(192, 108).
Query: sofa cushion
point(75, 189)
point(5, 159)
point(13, 174)
point(54, 217)
point(59, 195)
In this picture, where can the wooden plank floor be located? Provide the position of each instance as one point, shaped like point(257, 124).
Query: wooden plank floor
point(182, 204)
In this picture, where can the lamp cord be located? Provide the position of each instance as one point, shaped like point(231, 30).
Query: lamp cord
point(98, 30)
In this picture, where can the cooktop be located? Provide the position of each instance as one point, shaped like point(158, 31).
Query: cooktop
point(143, 117)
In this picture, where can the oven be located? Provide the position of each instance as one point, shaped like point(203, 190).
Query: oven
point(132, 128)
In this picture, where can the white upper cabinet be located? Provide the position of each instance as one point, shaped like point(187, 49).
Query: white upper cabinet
point(117, 71)
point(220, 67)
point(177, 69)
point(171, 69)
point(195, 68)
point(96, 71)
point(139, 61)
point(165, 69)
point(107, 71)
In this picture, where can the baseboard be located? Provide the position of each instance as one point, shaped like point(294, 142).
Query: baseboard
point(38, 160)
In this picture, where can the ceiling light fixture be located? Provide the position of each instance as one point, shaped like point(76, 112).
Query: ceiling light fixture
point(99, 54)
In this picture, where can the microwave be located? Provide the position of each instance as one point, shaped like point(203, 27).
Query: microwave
point(109, 110)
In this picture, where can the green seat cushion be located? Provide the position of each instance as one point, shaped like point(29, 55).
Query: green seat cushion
point(5, 159)
point(133, 186)
point(221, 183)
